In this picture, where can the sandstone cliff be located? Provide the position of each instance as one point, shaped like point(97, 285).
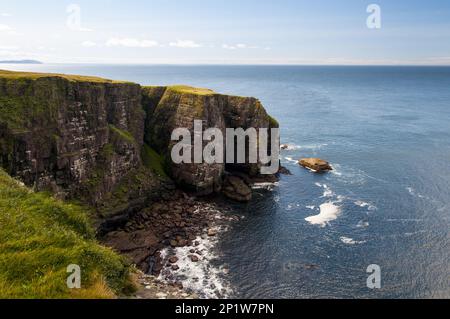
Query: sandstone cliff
point(91, 139)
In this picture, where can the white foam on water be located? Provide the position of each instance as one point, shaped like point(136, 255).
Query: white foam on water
point(363, 204)
point(290, 159)
point(311, 207)
point(336, 172)
point(294, 147)
point(413, 192)
point(266, 186)
point(327, 190)
point(291, 147)
point(350, 241)
point(201, 277)
point(328, 212)
point(350, 175)
point(362, 224)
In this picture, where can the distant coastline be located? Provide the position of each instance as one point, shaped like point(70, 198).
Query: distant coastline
point(21, 62)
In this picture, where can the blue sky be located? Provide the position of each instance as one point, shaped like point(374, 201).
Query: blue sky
point(219, 31)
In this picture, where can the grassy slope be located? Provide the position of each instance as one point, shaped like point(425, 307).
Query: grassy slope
point(40, 237)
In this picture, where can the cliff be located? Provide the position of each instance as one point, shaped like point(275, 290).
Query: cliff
point(178, 106)
point(106, 145)
point(79, 137)
point(95, 139)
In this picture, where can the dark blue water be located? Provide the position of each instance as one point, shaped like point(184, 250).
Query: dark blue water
point(386, 130)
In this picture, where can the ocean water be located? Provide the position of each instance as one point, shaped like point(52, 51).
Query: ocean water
point(385, 130)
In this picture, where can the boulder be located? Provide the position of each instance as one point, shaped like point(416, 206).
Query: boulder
point(284, 171)
point(194, 258)
point(315, 164)
point(235, 188)
point(212, 232)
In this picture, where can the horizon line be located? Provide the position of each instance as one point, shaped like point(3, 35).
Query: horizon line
point(227, 64)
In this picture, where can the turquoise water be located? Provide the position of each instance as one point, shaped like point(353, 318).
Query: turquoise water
point(386, 130)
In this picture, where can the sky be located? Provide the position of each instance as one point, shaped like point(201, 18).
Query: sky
point(227, 31)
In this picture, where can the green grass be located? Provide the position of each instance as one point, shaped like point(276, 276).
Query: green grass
point(123, 134)
point(273, 122)
point(191, 90)
point(34, 76)
point(40, 236)
point(153, 160)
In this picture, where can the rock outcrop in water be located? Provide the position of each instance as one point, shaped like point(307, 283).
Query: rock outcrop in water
point(94, 139)
point(315, 164)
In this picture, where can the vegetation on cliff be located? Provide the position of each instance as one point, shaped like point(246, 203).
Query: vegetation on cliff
point(40, 236)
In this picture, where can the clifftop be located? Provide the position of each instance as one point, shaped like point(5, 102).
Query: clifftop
point(34, 76)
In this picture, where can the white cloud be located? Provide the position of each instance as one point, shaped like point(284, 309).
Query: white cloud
point(131, 43)
point(228, 47)
point(238, 46)
point(89, 44)
point(4, 27)
point(185, 44)
point(4, 14)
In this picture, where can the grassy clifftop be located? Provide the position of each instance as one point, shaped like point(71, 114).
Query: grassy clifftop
point(34, 76)
point(40, 236)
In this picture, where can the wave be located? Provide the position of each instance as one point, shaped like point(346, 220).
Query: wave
point(327, 190)
point(413, 192)
point(295, 147)
point(200, 277)
point(266, 186)
point(328, 212)
point(362, 224)
point(289, 159)
point(350, 241)
point(363, 204)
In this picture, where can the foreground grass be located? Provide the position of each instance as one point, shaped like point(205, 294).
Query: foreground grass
point(40, 236)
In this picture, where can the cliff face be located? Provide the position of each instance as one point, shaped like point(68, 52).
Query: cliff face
point(78, 137)
point(178, 107)
point(83, 137)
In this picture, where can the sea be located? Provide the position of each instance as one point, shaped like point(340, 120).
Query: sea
point(381, 216)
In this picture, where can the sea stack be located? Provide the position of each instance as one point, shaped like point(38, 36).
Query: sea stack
point(315, 164)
